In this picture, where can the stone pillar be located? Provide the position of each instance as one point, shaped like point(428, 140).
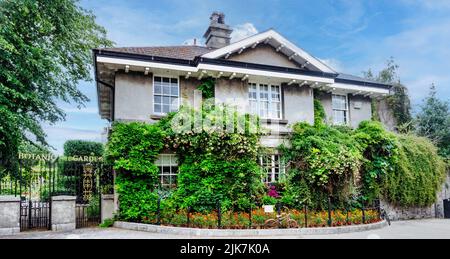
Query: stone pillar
point(9, 215)
point(63, 213)
point(107, 206)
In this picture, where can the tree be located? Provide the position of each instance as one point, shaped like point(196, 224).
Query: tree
point(433, 121)
point(399, 101)
point(45, 50)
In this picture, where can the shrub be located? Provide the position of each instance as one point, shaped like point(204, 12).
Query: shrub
point(323, 161)
point(107, 223)
point(380, 153)
point(418, 175)
point(405, 169)
point(215, 163)
point(83, 148)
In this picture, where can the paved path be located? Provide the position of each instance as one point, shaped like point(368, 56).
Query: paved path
point(428, 229)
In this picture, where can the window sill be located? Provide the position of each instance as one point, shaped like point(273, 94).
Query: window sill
point(157, 117)
point(275, 121)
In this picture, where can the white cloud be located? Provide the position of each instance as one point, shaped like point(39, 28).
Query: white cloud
point(240, 32)
point(243, 31)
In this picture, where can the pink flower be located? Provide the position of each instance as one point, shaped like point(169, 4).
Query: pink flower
point(273, 192)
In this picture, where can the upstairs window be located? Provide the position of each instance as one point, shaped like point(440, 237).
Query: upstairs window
point(340, 109)
point(168, 170)
point(274, 168)
point(166, 92)
point(265, 100)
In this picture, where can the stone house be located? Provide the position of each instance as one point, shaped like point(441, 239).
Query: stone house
point(264, 74)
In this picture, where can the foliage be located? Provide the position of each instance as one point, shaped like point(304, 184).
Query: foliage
point(362, 165)
point(132, 150)
point(323, 161)
point(379, 150)
point(269, 200)
point(433, 122)
point(418, 175)
point(399, 101)
point(207, 87)
point(107, 223)
point(319, 113)
point(45, 50)
point(216, 163)
point(83, 148)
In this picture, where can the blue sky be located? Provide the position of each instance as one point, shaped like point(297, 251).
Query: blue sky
point(349, 35)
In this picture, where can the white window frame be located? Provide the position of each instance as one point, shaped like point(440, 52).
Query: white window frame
point(173, 162)
point(346, 112)
point(273, 166)
point(258, 100)
point(162, 95)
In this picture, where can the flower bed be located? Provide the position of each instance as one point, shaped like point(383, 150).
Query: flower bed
point(241, 220)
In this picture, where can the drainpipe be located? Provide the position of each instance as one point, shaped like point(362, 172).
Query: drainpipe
point(113, 101)
point(97, 79)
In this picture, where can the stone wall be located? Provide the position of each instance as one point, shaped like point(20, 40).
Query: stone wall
point(434, 211)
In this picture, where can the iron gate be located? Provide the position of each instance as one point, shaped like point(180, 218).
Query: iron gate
point(39, 177)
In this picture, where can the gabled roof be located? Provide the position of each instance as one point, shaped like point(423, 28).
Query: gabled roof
point(280, 43)
point(186, 52)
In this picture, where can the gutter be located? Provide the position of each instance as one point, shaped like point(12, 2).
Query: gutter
point(113, 90)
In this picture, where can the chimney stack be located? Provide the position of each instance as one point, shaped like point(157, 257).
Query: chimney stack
point(218, 34)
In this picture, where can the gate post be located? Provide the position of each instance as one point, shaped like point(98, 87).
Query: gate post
point(9, 215)
point(63, 213)
point(107, 207)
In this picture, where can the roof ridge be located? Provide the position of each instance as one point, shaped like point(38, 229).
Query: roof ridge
point(170, 46)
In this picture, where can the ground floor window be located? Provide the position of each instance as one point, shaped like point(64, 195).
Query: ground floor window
point(340, 109)
point(168, 170)
point(274, 168)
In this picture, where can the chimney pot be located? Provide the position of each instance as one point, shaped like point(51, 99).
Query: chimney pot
point(218, 34)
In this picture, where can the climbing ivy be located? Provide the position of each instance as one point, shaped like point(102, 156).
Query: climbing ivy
point(132, 150)
point(380, 152)
point(418, 174)
point(368, 162)
point(216, 163)
point(319, 113)
point(207, 87)
point(324, 161)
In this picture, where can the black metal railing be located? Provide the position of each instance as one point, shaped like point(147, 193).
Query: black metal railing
point(36, 181)
point(215, 216)
point(35, 215)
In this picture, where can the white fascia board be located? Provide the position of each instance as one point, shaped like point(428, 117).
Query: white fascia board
point(135, 63)
point(357, 88)
point(275, 36)
point(238, 45)
point(254, 72)
point(216, 68)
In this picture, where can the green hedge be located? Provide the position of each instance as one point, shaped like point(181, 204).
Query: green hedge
point(83, 148)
